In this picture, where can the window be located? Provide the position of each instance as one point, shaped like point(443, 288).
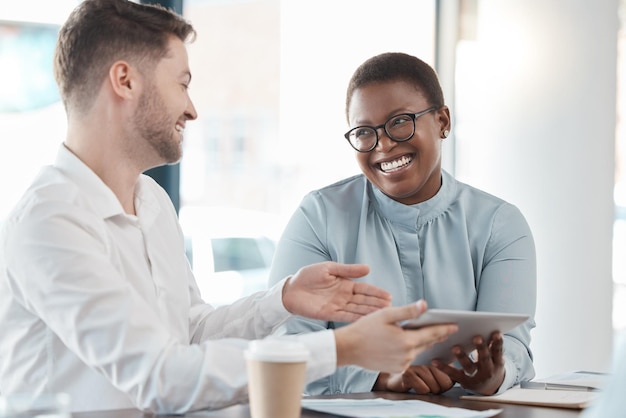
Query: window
point(237, 253)
point(32, 119)
point(269, 79)
point(619, 227)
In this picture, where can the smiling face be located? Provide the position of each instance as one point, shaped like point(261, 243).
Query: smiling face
point(408, 172)
point(165, 106)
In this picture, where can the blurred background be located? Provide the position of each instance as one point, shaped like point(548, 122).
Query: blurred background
point(536, 90)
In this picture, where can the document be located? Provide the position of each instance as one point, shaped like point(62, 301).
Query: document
point(385, 408)
point(572, 399)
point(583, 380)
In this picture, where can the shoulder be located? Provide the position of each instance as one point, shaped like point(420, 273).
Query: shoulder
point(52, 210)
point(334, 205)
point(484, 208)
point(50, 192)
point(479, 196)
point(488, 210)
point(479, 199)
point(342, 192)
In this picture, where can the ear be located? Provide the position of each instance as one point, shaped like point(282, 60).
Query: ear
point(445, 126)
point(124, 80)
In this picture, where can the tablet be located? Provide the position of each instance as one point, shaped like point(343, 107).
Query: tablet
point(471, 323)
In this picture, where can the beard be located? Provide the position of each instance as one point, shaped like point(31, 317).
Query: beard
point(155, 128)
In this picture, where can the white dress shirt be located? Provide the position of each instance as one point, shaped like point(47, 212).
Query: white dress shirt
point(103, 305)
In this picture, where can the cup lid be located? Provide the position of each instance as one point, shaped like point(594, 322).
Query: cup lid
point(277, 350)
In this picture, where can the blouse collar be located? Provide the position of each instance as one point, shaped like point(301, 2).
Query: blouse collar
point(414, 216)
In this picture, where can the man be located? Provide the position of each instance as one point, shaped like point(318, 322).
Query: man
point(96, 296)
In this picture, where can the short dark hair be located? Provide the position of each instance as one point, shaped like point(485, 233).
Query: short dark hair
point(100, 32)
point(394, 66)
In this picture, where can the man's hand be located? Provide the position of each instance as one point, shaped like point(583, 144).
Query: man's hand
point(325, 291)
point(377, 342)
point(422, 379)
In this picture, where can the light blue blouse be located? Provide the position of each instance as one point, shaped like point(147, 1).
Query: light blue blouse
point(462, 249)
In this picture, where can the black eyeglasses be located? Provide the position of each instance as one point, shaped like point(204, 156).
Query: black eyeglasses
point(399, 128)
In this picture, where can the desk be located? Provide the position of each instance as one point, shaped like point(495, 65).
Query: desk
point(450, 398)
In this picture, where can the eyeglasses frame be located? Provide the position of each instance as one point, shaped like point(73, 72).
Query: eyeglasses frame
point(413, 117)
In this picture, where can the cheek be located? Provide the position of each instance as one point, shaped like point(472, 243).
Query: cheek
point(363, 161)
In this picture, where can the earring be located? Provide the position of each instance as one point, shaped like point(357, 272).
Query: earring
point(445, 133)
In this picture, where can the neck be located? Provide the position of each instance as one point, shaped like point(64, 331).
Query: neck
point(102, 151)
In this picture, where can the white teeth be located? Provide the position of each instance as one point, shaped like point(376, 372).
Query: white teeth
point(180, 128)
point(394, 165)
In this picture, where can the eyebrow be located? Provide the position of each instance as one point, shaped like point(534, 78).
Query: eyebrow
point(393, 114)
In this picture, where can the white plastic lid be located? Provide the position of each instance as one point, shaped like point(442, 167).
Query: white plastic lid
point(277, 350)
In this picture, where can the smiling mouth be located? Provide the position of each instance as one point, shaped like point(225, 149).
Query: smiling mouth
point(391, 166)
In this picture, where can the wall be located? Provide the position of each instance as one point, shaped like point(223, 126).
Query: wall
point(536, 126)
point(322, 43)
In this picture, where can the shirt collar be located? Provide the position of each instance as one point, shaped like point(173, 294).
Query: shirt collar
point(414, 216)
point(99, 194)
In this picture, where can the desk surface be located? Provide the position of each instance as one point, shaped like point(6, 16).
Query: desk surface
point(448, 399)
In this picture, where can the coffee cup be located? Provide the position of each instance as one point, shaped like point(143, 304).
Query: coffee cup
point(276, 372)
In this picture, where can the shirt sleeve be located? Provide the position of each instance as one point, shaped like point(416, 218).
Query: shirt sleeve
point(508, 284)
point(253, 317)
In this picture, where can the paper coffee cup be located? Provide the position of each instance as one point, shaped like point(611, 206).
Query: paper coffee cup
point(276, 371)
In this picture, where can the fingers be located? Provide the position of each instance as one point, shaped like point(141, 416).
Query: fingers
point(347, 270)
point(365, 308)
point(426, 379)
point(367, 294)
point(435, 379)
point(468, 367)
point(401, 313)
point(421, 379)
point(392, 315)
point(497, 343)
point(367, 304)
point(425, 337)
point(485, 375)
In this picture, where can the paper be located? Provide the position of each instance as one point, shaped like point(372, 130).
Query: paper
point(574, 399)
point(383, 408)
point(579, 378)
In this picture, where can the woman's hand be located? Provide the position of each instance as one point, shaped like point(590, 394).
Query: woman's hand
point(486, 374)
point(422, 379)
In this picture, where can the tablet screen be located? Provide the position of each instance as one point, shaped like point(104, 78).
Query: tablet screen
point(471, 323)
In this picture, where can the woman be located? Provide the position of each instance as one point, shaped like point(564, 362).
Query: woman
point(423, 233)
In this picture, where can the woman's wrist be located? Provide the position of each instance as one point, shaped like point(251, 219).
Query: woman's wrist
point(381, 382)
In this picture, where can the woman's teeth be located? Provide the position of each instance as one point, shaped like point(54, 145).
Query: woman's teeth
point(396, 164)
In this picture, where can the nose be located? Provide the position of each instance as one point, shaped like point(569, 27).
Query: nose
point(384, 142)
point(190, 112)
